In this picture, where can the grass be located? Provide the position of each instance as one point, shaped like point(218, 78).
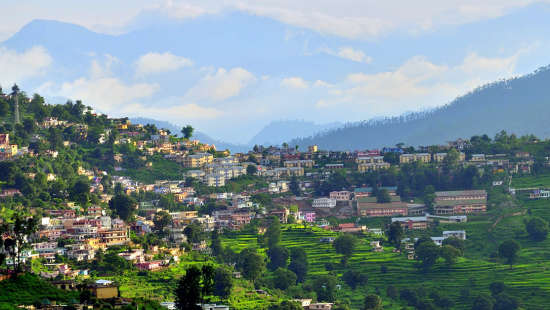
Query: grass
point(531, 181)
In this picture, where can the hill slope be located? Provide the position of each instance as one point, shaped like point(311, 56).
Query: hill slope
point(520, 105)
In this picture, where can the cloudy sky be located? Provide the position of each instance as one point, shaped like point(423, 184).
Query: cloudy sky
point(231, 66)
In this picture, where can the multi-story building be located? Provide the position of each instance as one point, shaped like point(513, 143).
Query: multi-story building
point(420, 157)
point(372, 166)
point(439, 157)
point(460, 202)
point(410, 223)
point(324, 203)
point(198, 160)
point(304, 163)
point(365, 207)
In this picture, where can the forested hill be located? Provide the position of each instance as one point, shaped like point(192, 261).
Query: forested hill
point(520, 105)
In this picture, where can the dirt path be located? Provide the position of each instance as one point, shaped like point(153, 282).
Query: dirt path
point(503, 216)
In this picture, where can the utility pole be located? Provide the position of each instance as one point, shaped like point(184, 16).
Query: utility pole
point(15, 95)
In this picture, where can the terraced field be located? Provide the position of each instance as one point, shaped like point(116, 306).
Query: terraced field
point(530, 280)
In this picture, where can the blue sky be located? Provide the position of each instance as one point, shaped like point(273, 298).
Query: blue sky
point(230, 67)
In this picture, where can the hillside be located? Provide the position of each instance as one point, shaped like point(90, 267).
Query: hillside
point(196, 135)
point(519, 105)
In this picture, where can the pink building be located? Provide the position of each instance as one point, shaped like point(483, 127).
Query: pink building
point(308, 216)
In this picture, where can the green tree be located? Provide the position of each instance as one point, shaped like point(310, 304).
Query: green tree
point(372, 302)
point(325, 287)
point(251, 264)
point(345, 245)
point(16, 237)
point(187, 131)
point(123, 205)
point(455, 243)
point(354, 278)
point(427, 252)
point(273, 232)
point(395, 234)
point(505, 302)
point(298, 263)
point(482, 302)
point(223, 282)
point(294, 186)
point(509, 250)
point(283, 278)
point(450, 162)
point(497, 288)
point(537, 228)
point(80, 191)
point(450, 254)
point(278, 257)
point(162, 220)
point(383, 196)
point(251, 170)
point(194, 287)
point(216, 246)
point(194, 233)
point(286, 305)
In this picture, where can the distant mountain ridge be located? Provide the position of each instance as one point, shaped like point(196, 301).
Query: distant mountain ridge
point(278, 132)
point(519, 105)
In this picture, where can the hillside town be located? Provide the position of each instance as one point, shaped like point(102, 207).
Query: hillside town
point(150, 199)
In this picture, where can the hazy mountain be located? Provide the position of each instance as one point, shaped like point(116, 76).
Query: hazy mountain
point(220, 145)
point(520, 105)
point(278, 132)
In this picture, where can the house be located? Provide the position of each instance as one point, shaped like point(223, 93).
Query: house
point(478, 157)
point(313, 148)
point(104, 289)
point(460, 234)
point(282, 215)
point(376, 247)
point(349, 228)
point(340, 195)
point(307, 216)
point(150, 266)
point(324, 203)
point(320, 306)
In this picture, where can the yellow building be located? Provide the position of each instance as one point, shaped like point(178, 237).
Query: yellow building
point(372, 167)
point(409, 158)
point(198, 160)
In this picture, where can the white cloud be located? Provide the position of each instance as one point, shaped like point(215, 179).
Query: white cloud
point(417, 84)
point(349, 53)
point(320, 83)
point(356, 19)
point(106, 94)
point(174, 113)
point(221, 85)
point(16, 67)
point(346, 18)
point(294, 82)
point(153, 63)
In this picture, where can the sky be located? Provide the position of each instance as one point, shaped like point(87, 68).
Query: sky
point(229, 67)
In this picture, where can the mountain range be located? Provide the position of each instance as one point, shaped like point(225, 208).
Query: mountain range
point(520, 105)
